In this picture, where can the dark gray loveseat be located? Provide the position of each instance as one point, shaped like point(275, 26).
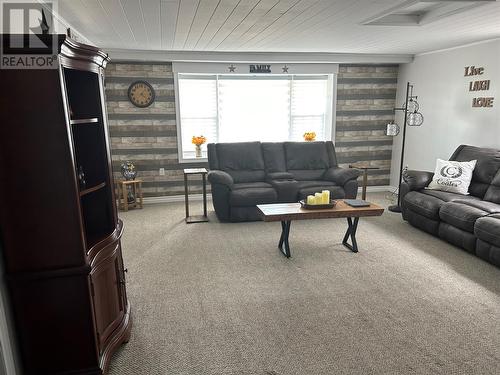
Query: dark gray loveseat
point(245, 174)
point(471, 222)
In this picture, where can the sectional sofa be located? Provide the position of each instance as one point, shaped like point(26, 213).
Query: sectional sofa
point(472, 221)
point(245, 174)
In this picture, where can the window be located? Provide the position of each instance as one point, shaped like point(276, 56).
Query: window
point(239, 108)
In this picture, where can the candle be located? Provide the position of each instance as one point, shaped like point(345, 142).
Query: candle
point(326, 196)
point(318, 198)
point(310, 199)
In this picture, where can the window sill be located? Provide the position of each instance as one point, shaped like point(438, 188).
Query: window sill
point(193, 160)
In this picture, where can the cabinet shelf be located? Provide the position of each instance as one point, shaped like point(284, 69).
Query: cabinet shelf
point(92, 189)
point(92, 120)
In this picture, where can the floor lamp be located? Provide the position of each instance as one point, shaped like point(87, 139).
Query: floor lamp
point(411, 118)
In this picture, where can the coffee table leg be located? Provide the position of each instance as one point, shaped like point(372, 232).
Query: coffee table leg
point(285, 232)
point(351, 232)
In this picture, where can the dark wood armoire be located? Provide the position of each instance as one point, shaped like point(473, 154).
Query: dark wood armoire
point(59, 230)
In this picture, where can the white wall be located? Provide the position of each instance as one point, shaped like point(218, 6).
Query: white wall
point(446, 103)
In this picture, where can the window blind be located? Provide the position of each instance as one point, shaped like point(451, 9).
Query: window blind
point(237, 108)
point(198, 110)
point(252, 110)
point(308, 107)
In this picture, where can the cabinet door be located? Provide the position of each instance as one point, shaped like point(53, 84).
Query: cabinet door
point(109, 307)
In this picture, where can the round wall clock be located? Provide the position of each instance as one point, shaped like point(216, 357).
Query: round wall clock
point(141, 94)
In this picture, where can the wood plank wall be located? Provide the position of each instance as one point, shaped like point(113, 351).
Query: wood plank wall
point(148, 136)
point(366, 96)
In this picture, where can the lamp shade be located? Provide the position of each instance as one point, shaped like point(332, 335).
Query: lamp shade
point(412, 105)
point(392, 129)
point(415, 119)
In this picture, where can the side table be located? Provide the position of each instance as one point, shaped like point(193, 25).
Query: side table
point(196, 218)
point(123, 194)
point(365, 168)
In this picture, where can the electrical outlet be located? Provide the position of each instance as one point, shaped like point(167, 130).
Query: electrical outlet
point(162, 171)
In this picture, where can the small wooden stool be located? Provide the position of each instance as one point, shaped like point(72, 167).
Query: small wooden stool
point(123, 193)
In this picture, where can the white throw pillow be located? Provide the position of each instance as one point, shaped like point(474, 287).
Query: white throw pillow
point(453, 176)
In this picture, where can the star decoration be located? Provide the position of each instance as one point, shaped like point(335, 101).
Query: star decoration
point(232, 68)
point(285, 69)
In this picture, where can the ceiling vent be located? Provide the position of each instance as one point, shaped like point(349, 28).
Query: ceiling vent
point(417, 13)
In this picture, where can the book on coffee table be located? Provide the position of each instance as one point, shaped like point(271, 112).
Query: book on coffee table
point(357, 203)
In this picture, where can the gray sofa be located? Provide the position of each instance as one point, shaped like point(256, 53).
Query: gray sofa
point(245, 174)
point(471, 222)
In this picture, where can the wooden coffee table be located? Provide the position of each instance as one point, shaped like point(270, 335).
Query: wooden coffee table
point(286, 212)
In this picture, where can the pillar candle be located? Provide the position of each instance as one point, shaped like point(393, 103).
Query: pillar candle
point(318, 198)
point(326, 196)
point(310, 199)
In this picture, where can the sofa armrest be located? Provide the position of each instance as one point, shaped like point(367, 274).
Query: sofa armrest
point(341, 175)
point(220, 177)
point(279, 176)
point(416, 180)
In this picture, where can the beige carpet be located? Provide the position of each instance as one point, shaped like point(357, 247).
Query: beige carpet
point(221, 299)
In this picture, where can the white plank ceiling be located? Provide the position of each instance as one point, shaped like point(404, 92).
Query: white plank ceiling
point(270, 26)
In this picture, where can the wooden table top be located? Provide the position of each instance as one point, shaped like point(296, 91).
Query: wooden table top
point(195, 171)
point(294, 211)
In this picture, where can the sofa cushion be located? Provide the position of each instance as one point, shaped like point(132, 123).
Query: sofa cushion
point(447, 196)
point(428, 202)
point(487, 166)
point(314, 183)
point(336, 192)
point(488, 252)
point(461, 215)
point(493, 192)
point(308, 174)
point(457, 237)
point(243, 161)
point(240, 156)
point(252, 196)
point(488, 207)
point(287, 190)
point(306, 155)
point(488, 229)
point(274, 156)
point(247, 176)
point(422, 222)
point(247, 185)
point(423, 204)
point(279, 176)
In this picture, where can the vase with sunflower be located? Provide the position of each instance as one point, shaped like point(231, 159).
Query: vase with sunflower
point(309, 136)
point(198, 141)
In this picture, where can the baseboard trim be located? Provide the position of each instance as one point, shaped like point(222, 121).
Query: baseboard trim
point(199, 197)
point(376, 189)
point(392, 189)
